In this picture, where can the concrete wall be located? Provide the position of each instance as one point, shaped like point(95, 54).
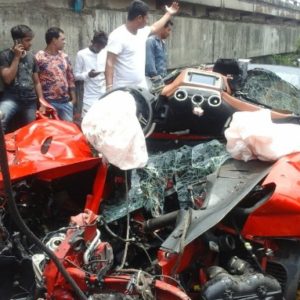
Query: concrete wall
point(194, 40)
point(207, 40)
point(275, 8)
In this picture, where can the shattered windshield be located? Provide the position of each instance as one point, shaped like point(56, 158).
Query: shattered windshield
point(177, 169)
point(269, 89)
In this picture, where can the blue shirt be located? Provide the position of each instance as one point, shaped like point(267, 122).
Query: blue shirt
point(156, 57)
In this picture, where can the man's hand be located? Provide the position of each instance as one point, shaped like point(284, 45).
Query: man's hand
point(42, 109)
point(173, 9)
point(109, 87)
point(18, 50)
point(93, 73)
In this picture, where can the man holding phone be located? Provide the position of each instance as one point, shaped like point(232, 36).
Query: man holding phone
point(89, 67)
point(22, 88)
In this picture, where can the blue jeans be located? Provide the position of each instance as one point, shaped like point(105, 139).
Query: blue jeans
point(64, 110)
point(17, 111)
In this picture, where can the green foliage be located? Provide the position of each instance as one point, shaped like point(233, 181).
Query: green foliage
point(287, 59)
point(284, 59)
point(298, 47)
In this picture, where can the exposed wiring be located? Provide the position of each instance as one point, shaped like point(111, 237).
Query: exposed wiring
point(248, 248)
point(130, 240)
point(23, 294)
point(145, 251)
point(128, 225)
point(157, 236)
point(51, 233)
point(115, 235)
point(171, 278)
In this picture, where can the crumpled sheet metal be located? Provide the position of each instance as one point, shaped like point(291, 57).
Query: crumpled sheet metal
point(181, 166)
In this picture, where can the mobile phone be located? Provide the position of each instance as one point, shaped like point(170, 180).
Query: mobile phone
point(17, 42)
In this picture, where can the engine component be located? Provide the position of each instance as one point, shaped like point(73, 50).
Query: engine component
point(219, 244)
point(160, 222)
point(38, 263)
point(91, 247)
point(250, 285)
point(55, 241)
point(238, 266)
point(101, 260)
point(181, 95)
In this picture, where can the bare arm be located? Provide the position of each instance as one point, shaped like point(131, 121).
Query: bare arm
point(170, 11)
point(9, 73)
point(73, 96)
point(109, 69)
point(39, 92)
point(37, 85)
point(71, 82)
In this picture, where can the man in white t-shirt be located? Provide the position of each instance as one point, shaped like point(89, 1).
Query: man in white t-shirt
point(89, 67)
point(126, 49)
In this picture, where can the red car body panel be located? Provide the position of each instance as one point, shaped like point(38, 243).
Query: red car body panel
point(48, 149)
point(280, 214)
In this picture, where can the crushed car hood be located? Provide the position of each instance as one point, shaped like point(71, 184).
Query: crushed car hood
point(226, 188)
point(48, 147)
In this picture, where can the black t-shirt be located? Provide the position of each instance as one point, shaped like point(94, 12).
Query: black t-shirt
point(22, 85)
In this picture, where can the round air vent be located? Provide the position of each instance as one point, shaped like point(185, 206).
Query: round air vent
point(197, 99)
point(214, 101)
point(181, 95)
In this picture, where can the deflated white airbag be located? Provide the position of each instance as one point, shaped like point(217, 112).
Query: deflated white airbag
point(111, 126)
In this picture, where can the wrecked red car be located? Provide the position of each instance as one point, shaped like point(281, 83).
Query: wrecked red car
point(192, 224)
